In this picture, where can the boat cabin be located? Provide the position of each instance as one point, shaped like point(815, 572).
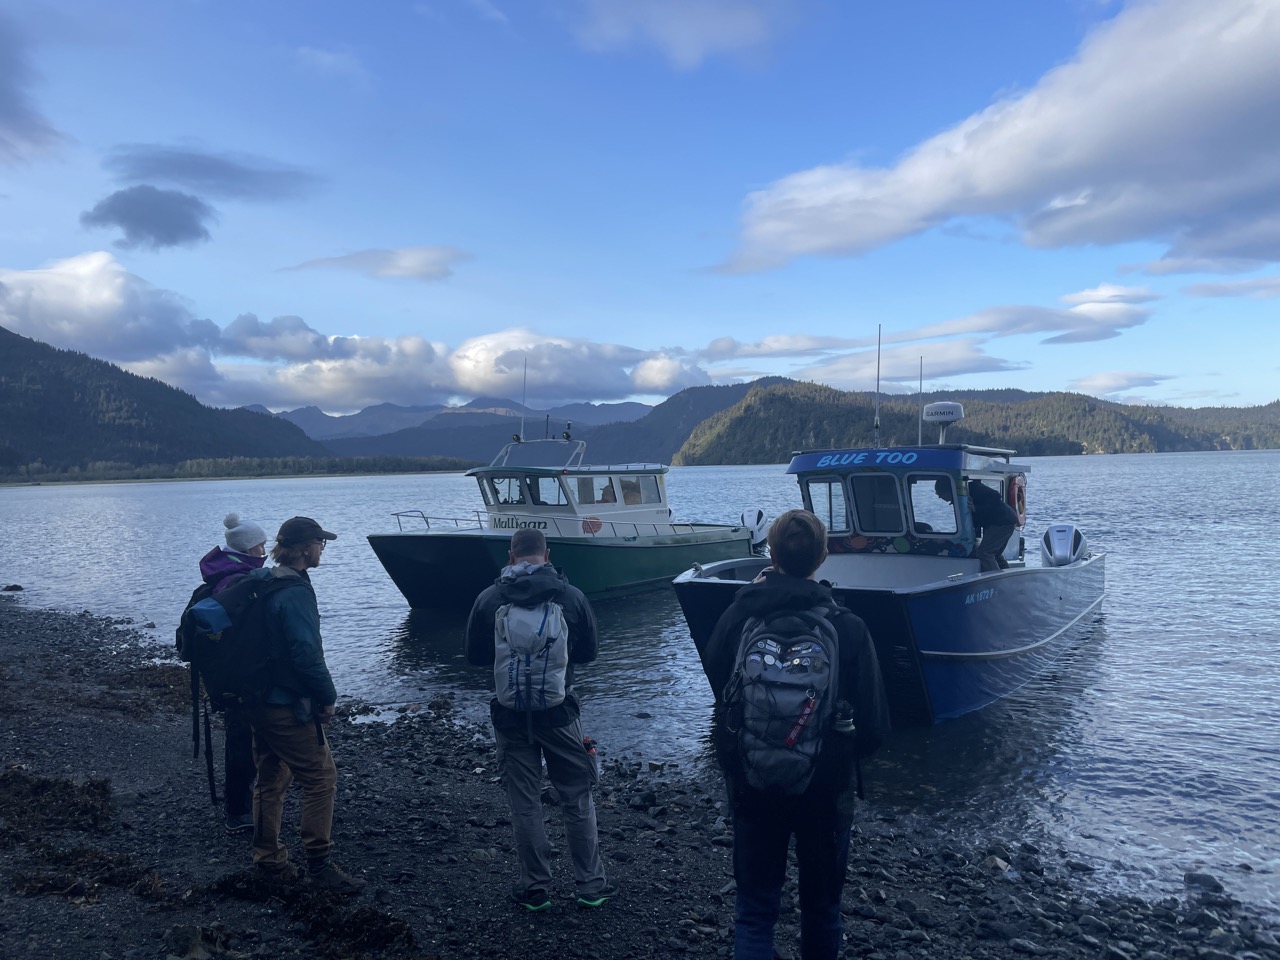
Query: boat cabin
point(890, 502)
point(544, 484)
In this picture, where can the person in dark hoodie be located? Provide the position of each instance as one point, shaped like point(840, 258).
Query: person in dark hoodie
point(245, 551)
point(525, 739)
point(820, 818)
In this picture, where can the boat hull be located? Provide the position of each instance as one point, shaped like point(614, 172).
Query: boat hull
point(446, 571)
point(947, 648)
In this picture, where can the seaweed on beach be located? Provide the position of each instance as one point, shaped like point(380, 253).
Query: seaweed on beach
point(30, 806)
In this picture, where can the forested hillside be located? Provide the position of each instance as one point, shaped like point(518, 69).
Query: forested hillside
point(772, 421)
point(62, 412)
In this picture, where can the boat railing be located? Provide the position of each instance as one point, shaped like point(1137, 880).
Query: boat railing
point(558, 525)
point(461, 523)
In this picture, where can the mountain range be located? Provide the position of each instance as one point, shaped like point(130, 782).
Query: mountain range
point(64, 414)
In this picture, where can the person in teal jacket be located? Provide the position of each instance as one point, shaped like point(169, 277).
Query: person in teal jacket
point(288, 734)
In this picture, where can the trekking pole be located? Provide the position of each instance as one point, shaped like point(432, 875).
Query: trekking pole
point(208, 755)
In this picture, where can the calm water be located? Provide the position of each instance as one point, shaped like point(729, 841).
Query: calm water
point(1152, 749)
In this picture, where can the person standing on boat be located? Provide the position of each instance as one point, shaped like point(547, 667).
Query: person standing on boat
point(525, 738)
point(820, 818)
point(245, 551)
point(993, 519)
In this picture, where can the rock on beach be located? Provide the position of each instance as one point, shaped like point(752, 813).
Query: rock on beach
point(111, 850)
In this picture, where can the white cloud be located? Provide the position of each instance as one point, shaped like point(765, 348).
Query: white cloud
point(686, 32)
point(91, 303)
point(1168, 265)
point(1112, 293)
point(420, 263)
point(1112, 382)
point(900, 365)
point(1151, 132)
point(1260, 288)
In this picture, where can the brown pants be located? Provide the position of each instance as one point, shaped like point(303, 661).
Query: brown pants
point(285, 750)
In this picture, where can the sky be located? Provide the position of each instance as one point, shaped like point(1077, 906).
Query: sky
point(422, 201)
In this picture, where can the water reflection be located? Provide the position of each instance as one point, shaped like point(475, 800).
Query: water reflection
point(999, 769)
point(645, 695)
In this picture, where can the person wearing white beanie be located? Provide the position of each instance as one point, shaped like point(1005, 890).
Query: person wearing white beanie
point(219, 568)
point(245, 536)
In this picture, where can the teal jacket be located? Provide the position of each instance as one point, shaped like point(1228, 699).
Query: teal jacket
point(301, 676)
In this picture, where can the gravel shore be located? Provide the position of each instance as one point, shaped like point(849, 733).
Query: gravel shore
point(110, 849)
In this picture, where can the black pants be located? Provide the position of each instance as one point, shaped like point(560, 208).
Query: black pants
point(238, 765)
point(991, 548)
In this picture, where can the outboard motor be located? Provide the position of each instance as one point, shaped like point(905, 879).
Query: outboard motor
point(757, 523)
point(1062, 544)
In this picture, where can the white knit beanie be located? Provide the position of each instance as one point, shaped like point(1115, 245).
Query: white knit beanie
point(243, 536)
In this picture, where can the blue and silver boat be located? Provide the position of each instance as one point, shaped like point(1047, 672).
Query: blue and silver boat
point(950, 637)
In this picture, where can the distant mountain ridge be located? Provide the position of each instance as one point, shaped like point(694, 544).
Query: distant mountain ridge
point(64, 414)
point(774, 420)
point(386, 418)
point(63, 411)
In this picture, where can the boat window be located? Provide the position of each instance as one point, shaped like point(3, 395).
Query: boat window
point(596, 490)
point(546, 491)
point(930, 514)
point(826, 499)
point(631, 492)
point(650, 492)
point(507, 490)
point(876, 501)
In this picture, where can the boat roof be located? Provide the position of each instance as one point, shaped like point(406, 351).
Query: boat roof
point(546, 457)
point(961, 457)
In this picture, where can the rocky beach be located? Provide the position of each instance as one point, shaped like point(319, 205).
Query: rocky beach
point(111, 850)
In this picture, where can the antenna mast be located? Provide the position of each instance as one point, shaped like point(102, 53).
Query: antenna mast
point(920, 425)
point(877, 420)
point(524, 396)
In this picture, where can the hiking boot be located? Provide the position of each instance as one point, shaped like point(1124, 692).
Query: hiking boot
point(598, 899)
point(239, 823)
point(328, 876)
point(277, 873)
point(532, 900)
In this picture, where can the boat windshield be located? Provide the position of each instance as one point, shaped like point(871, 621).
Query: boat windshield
point(547, 492)
point(500, 490)
point(825, 498)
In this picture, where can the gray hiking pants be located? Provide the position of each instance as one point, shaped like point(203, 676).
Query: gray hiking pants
point(573, 773)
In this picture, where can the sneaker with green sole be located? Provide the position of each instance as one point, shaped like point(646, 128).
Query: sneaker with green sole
point(598, 898)
point(532, 900)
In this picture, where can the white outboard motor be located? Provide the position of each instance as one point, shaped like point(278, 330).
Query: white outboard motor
point(754, 519)
point(1062, 544)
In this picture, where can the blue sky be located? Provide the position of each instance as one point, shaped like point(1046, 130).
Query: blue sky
point(342, 204)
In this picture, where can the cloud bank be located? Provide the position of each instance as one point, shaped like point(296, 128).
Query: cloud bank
point(91, 303)
point(1154, 131)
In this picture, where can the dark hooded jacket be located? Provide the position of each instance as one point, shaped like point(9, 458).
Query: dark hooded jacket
point(833, 787)
point(989, 508)
point(528, 586)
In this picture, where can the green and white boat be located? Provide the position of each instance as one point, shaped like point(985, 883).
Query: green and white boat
point(608, 527)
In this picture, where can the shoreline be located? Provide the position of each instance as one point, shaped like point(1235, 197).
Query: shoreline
point(110, 848)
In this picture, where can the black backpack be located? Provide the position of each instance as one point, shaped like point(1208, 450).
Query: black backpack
point(781, 697)
point(225, 640)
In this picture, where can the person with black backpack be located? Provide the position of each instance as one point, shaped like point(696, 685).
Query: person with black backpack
point(799, 699)
point(245, 551)
point(531, 627)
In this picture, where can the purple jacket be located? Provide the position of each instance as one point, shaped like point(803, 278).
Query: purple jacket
point(218, 565)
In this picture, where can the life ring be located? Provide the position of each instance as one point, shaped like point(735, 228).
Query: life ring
point(591, 525)
point(1018, 497)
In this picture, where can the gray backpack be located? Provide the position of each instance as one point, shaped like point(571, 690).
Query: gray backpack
point(531, 657)
point(781, 696)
